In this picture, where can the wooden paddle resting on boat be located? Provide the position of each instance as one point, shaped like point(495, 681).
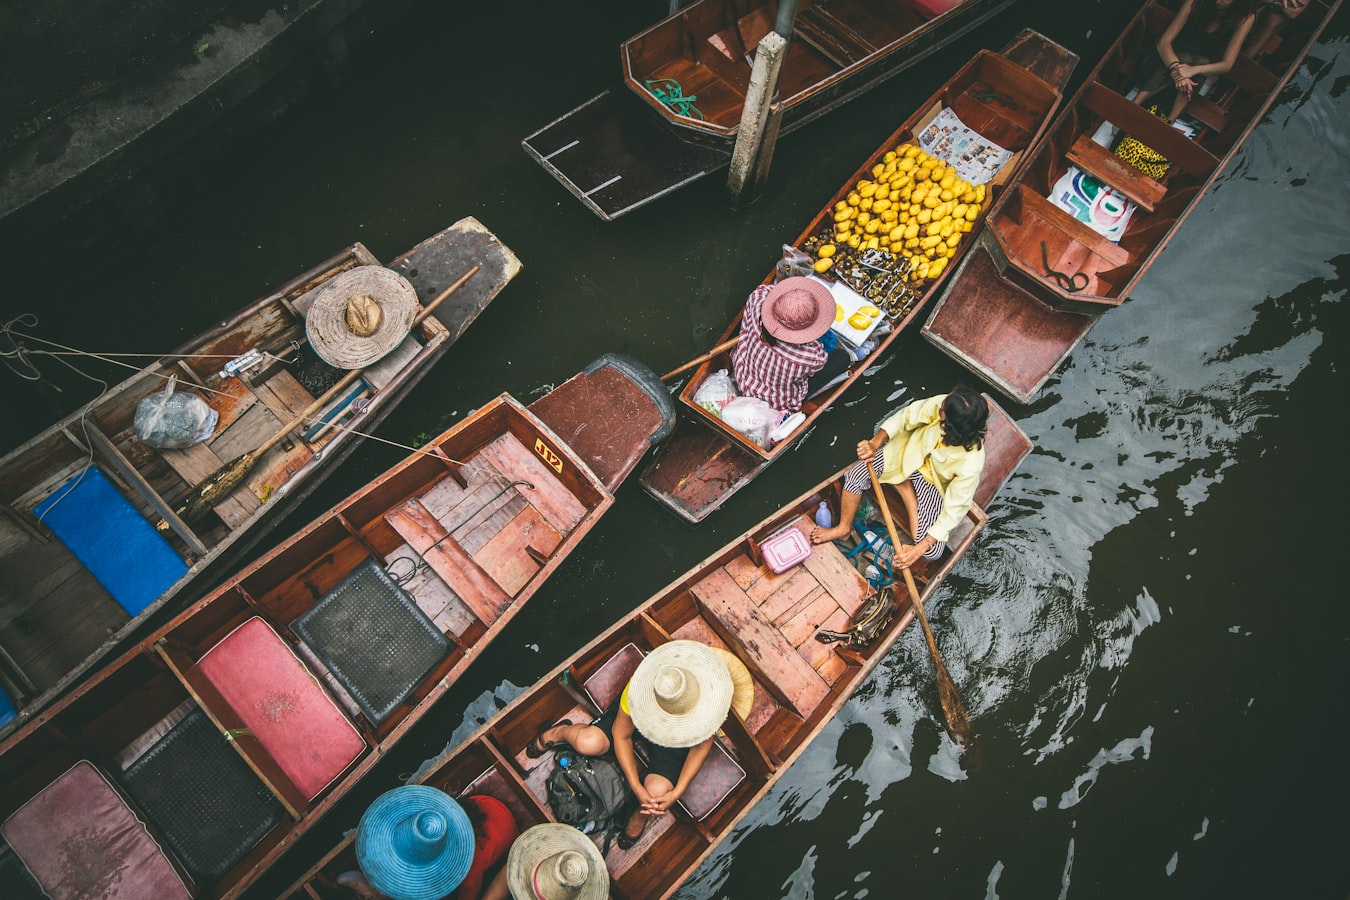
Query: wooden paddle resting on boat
point(232, 730)
point(81, 562)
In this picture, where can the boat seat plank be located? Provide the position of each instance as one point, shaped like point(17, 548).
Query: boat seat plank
point(1105, 166)
point(251, 430)
point(1208, 113)
point(506, 558)
point(283, 395)
point(479, 591)
point(231, 398)
point(434, 597)
point(476, 525)
point(1138, 122)
point(837, 576)
point(759, 644)
point(559, 506)
point(197, 463)
point(804, 623)
point(778, 596)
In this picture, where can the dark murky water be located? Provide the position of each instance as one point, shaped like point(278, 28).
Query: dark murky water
point(1150, 636)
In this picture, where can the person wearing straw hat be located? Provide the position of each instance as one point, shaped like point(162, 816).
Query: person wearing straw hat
point(780, 358)
point(551, 862)
point(677, 699)
point(360, 315)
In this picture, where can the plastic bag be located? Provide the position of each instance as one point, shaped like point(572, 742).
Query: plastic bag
point(715, 391)
point(752, 417)
point(171, 421)
point(793, 262)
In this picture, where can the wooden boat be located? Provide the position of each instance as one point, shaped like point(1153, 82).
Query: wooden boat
point(734, 601)
point(65, 600)
point(1008, 97)
point(213, 744)
point(1006, 315)
point(676, 115)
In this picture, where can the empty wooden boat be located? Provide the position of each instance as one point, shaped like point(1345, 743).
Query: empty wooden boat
point(82, 562)
point(676, 116)
point(734, 601)
point(210, 746)
point(1039, 277)
point(1007, 98)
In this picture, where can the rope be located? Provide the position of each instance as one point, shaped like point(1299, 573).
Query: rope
point(669, 92)
point(1063, 279)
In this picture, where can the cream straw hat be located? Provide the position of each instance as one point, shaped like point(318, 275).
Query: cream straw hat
point(680, 694)
point(359, 315)
point(556, 862)
point(742, 684)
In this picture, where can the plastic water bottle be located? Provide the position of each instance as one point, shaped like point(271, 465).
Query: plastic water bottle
point(823, 516)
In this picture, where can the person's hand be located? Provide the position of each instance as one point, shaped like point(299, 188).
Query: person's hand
point(906, 555)
point(1182, 77)
point(657, 806)
point(643, 797)
point(1294, 4)
point(866, 450)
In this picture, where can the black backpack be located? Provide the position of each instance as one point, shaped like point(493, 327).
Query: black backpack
point(589, 793)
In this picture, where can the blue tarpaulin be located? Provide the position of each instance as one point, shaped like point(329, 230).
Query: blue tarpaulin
point(106, 533)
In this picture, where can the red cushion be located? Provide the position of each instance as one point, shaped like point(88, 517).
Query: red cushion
point(80, 839)
point(280, 701)
point(608, 682)
point(932, 8)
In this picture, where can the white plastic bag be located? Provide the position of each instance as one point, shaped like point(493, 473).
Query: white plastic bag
point(715, 391)
point(752, 417)
point(1101, 207)
point(171, 421)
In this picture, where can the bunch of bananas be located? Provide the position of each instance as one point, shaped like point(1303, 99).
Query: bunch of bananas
point(914, 206)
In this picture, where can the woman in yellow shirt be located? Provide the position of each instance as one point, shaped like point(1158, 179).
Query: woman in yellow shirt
point(933, 450)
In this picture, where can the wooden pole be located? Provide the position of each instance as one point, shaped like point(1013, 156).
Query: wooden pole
point(748, 169)
point(705, 357)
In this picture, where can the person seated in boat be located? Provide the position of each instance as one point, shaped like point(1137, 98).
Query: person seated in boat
point(933, 449)
point(1274, 15)
point(551, 860)
point(494, 830)
point(677, 699)
point(1204, 38)
point(780, 358)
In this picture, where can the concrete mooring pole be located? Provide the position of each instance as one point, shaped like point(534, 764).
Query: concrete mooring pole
point(758, 132)
point(760, 117)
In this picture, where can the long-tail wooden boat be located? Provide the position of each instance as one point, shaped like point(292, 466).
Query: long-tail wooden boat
point(210, 746)
point(1007, 97)
point(676, 115)
point(1038, 278)
point(87, 494)
point(734, 601)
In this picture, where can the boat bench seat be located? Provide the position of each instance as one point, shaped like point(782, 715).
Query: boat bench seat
point(276, 712)
point(719, 775)
point(1094, 159)
point(836, 41)
point(78, 837)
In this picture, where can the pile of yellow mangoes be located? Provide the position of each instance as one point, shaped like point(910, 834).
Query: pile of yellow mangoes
point(914, 206)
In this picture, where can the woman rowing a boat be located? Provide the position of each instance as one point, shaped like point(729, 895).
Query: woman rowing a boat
point(676, 701)
point(780, 358)
point(1204, 38)
point(933, 451)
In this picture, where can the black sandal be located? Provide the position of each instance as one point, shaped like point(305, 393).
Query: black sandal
point(537, 747)
point(627, 841)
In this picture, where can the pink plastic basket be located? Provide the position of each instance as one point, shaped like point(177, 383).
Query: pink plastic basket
point(785, 549)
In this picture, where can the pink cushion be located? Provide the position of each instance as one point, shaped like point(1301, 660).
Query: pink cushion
point(276, 697)
point(608, 682)
point(79, 839)
point(931, 8)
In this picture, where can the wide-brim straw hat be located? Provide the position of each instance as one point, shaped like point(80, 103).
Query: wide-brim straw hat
point(798, 309)
point(414, 843)
point(556, 862)
point(742, 684)
point(328, 328)
point(680, 694)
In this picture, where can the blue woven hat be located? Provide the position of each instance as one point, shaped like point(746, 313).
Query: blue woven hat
point(414, 843)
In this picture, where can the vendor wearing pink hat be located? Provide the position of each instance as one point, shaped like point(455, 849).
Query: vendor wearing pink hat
point(780, 358)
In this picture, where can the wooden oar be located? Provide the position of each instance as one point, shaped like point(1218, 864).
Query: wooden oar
point(958, 719)
point(224, 480)
point(704, 358)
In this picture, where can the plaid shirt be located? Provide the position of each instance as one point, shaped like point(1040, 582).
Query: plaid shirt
point(778, 374)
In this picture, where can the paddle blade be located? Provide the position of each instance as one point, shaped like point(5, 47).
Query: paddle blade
point(217, 487)
point(958, 718)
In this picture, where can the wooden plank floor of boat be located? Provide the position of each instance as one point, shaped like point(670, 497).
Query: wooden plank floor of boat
point(1006, 335)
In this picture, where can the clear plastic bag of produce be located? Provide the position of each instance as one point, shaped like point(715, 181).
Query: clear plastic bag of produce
point(715, 391)
point(752, 417)
point(171, 421)
point(793, 262)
